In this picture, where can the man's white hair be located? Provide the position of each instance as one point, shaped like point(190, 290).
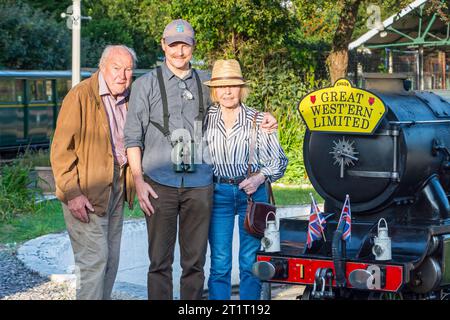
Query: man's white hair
point(109, 48)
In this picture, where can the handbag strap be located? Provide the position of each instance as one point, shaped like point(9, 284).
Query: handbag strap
point(270, 191)
point(252, 155)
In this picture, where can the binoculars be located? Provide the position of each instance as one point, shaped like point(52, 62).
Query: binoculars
point(184, 156)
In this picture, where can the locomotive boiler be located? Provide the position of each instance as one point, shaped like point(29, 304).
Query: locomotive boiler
point(393, 162)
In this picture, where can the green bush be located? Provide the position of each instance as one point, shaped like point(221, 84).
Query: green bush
point(17, 196)
point(34, 158)
point(279, 90)
point(31, 39)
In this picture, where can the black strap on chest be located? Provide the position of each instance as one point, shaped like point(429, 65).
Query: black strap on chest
point(201, 109)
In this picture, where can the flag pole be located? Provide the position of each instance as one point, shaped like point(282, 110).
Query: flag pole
point(318, 216)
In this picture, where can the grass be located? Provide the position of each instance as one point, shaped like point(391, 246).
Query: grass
point(294, 195)
point(49, 218)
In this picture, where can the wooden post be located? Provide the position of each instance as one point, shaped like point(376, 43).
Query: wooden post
point(442, 65)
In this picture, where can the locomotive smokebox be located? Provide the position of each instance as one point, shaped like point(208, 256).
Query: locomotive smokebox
point(398, 162)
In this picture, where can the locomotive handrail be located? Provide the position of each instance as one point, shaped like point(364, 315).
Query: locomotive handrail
point(412, 122)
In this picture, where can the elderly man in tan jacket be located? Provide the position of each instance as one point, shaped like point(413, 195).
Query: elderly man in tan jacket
point(90, 168)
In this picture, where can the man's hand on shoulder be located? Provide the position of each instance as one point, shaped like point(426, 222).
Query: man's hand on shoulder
point(269, 123)
point(78, 206)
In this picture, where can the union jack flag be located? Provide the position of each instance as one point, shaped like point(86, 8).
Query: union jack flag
point(316, 224)
point(346, 217)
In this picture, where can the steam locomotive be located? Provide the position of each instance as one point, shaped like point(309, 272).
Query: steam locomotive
point(397, 177)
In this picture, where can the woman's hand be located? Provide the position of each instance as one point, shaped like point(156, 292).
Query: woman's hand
point(251, 184)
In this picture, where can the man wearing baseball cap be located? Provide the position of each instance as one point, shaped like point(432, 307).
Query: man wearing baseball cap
point(170, 163)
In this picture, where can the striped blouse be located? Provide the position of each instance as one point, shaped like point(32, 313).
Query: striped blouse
point(230, 153)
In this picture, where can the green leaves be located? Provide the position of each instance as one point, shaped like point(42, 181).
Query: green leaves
point(17, 196)
point(249, 31)
point(278, 89)
point(31, 39)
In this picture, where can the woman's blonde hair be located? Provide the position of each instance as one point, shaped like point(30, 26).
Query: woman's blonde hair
point(243, 93)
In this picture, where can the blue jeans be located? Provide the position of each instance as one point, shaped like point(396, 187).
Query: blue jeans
point(229, 201)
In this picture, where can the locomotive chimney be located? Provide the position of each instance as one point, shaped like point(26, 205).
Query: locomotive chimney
point(386, 82)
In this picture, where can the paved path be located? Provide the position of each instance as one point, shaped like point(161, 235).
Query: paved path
point(51, 257)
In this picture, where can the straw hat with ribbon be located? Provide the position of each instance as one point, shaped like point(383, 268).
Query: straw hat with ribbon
point(226, 73)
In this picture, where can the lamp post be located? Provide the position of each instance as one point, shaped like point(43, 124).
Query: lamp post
point(74, 18)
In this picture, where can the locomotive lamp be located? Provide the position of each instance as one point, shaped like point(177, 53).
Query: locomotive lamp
point(271, 240)
point(382, 243)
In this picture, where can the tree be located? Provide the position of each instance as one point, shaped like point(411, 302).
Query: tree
point(352, 18)
point(99, 33)
point(137, 23)
point(21, 48)
point(337, 60)
point(251, 31)
point(55, 7)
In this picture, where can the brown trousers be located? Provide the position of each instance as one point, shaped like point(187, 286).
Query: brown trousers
point(193, 206)
point(96, 245)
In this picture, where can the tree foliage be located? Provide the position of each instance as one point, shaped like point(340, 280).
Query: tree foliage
point(347, 20)
point(31, 39)
point(99, 34)
point(53, 7)
point(138, 23)
point(253, 32)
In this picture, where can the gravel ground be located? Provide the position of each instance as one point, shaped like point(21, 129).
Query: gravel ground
point(19, 283)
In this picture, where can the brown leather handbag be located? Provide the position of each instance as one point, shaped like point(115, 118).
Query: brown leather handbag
point(255, 218)
point(257, 212)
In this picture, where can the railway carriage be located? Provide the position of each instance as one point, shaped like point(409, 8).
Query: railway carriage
point(29, 105)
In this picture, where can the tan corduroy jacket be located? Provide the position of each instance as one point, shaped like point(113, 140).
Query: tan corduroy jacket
point(81, 152)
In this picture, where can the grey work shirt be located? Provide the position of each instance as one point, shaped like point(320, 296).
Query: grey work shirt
point(145, 104)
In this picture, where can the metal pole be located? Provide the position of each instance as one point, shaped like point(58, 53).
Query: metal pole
point(391, 61)
point(76, 27)
point(421, 78)
point(360, 72)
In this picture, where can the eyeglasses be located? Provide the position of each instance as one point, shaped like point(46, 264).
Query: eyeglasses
point(187, 95)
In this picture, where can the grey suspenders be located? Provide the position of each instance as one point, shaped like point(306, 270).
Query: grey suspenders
point(201, 109)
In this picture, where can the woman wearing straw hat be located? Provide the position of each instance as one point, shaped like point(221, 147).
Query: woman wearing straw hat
point(229, 127)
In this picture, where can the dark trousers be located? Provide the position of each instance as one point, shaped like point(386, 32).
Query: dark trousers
point(193, 206)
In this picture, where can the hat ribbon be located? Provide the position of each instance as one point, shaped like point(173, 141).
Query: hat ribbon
point(227, 78)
